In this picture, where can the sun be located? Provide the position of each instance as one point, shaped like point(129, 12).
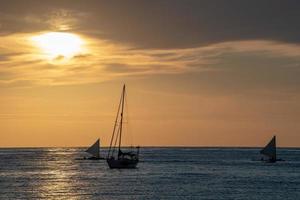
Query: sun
point(57, 45)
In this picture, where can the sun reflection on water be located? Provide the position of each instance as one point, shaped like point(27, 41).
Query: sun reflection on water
point(57, 181)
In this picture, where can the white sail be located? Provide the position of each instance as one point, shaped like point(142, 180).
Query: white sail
point(270, 149)
point(94, 149)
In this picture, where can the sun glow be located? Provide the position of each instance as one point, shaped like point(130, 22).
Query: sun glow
point(57, 45)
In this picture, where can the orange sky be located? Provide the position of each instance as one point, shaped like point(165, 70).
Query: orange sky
point(76, 115)
point(62, 71)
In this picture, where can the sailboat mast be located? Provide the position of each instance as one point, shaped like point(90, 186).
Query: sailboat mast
point(121, 122)
point(275, 153)
point(114, 130)
point(98, 148)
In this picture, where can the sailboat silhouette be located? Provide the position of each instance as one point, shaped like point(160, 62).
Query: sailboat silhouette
point(269, 151)
point(94, 151)
point(116, 157)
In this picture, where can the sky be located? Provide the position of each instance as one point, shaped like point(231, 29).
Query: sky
point(197, 72)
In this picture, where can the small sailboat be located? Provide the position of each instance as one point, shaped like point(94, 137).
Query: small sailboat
point(94, 151)
point(269, 151)
point(117, 158)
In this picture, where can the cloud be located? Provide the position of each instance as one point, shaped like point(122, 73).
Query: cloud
point(105, 60)
point(158, 24)
point(18, 18)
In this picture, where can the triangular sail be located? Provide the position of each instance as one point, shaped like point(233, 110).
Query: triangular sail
point(94, 149)
point(270, 149)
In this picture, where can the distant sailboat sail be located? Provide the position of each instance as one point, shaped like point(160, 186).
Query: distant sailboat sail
point(94, 149)
point(270, 150)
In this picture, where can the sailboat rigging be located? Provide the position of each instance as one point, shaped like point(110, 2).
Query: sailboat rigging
point(116, 158)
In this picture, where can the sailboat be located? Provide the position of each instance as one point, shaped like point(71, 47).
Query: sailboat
point(116, 157)
point(269, 151)
point(94, 151)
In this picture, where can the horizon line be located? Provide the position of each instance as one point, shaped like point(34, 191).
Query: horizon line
point(145, 146)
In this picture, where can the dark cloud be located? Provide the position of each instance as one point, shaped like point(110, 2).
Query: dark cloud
point(17, 84)
point(168, 23)
point(4, 75)
point(8, 56)
point(132, 69)
point(3, 58)
point(122, 68)
point(242, 74)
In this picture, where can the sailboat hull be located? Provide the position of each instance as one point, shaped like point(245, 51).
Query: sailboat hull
point(122, 163)
point(94, 158)
point(271, 161)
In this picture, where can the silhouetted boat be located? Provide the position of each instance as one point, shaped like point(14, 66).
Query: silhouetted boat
point(269, 151)
point(116, 158)
point(94, 151)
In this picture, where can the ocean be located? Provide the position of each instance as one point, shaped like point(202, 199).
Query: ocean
point(163, 173)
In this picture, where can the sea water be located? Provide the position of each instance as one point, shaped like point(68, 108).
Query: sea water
point(163, 173)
